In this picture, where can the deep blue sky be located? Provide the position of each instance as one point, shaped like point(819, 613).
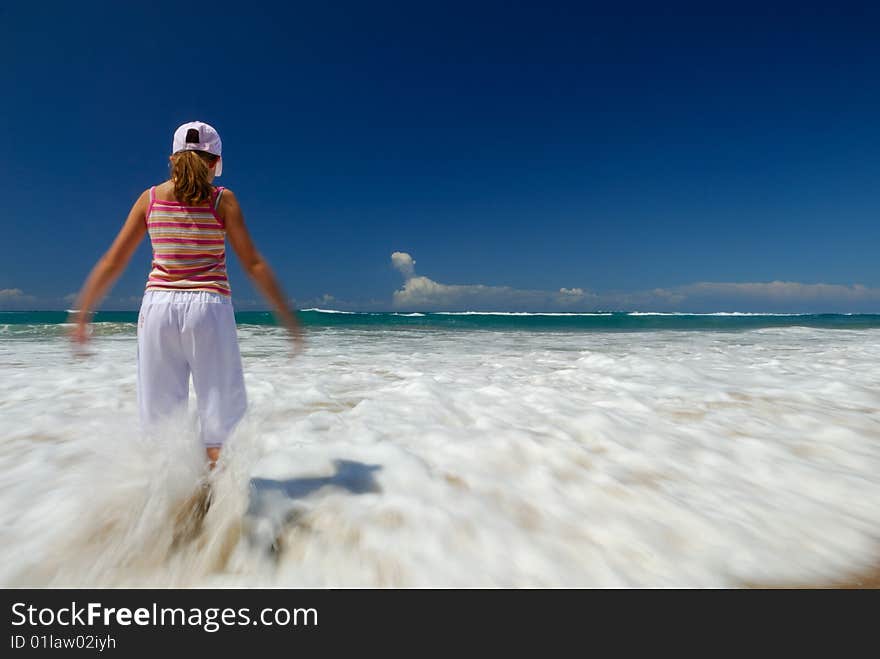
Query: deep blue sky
point(534, 146)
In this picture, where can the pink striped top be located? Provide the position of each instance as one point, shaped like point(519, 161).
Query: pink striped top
point(189, 246)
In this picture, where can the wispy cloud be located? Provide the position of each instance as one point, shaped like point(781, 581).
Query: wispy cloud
point(782, 296)
point(421, 293)
point(11, 293)
point(328, 301)
point(15, 298)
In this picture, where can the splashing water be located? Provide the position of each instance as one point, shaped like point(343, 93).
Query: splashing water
point(406, 456)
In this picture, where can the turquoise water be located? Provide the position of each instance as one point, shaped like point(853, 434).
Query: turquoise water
point(593, 322)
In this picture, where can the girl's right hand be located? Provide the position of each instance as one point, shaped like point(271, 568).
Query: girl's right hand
point(79, 333)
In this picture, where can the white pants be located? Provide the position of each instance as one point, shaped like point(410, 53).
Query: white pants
point(183, 332)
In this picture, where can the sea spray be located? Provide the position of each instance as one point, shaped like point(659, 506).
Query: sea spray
point(500, 457)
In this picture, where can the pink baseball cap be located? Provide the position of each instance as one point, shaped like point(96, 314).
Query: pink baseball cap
point(199, 136)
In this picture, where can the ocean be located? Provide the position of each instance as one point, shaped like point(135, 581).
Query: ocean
point(455, 450)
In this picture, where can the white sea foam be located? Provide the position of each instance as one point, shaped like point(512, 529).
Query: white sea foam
point(716, 313)
point(520, 313)
point(438, 458)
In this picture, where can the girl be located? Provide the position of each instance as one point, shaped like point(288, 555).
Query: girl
point(186, 323)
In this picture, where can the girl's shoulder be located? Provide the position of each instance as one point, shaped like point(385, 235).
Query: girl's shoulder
point(227, 196)
point(163, 190)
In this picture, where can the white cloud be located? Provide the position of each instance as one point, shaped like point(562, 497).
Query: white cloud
point(405, 263)
point(422, 293)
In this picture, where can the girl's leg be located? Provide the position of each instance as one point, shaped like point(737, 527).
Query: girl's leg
point(162, 369)
point(210, 342)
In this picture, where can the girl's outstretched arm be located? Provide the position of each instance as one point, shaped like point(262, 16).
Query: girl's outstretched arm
point(256, 266)
point(110, 266)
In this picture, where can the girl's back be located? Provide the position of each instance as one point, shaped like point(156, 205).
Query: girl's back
point(189, 243)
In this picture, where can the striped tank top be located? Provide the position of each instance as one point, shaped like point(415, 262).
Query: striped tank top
point(189, 246)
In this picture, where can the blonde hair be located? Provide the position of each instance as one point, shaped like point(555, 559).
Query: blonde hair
point(191, 175)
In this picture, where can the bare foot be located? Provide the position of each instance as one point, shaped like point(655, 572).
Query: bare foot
point(213, 455)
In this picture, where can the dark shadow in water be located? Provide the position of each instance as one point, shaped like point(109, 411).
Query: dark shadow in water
point(356, 477)
point(272, 504)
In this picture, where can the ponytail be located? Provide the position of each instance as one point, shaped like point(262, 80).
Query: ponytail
point(191, 176)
